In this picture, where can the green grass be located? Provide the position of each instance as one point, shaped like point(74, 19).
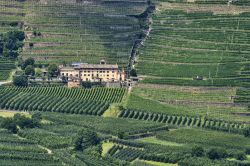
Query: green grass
point(151, 163)
point(106, 146)
point(192, 102)
point(7, 114)
point(205, 138)
point(154, 140)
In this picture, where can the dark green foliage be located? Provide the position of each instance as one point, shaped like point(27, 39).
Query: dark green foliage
point(29, 70)
point(87, 84)
point(21, 121)
point(247, 151)
point(85, 138)
point(217, 153)
point(133, 73)
point(1, 45)
point(52, 70)
point(197, 151)
point(246, 131)
point(202, 161)
point(31, 45)
point(121, 134)
point(20, 81)
point(10, 125)
point(240, 156)
point(27, 62)
point(11, 43)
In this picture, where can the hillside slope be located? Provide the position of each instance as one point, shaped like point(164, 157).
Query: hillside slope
point(73, 31)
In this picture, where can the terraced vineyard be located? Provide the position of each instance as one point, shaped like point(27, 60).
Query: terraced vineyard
point(113, 95)
point(60, 99)
point(81, 31)
point(190, 107)
point(16, 151)
point(192, 44)
point(6, 66)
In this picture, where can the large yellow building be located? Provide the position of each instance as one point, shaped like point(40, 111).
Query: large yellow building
point(94, 72)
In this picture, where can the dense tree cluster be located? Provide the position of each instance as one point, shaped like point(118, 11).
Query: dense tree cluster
point(20, 81)
point(10, 43)
point(85, 139)
point(21, 121)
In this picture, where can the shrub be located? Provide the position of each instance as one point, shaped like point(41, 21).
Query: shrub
point(20, 81)
point(215, 153)
point(197, 151)
point(240, 156)
point(246, 131)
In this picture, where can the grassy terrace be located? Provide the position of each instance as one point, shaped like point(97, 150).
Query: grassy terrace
point(191, 101)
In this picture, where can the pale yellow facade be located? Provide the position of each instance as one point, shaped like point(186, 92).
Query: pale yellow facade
point(94, 73)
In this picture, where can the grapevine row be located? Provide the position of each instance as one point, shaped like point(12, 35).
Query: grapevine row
point(214, 124)
point(113, 95)
point(23, 101)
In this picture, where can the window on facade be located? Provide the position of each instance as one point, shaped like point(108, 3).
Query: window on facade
point(108, 75)
point(88, 71)
point(107, 71)
point(71, 75)
point(88, 74)
point(76, 75)
point(67, 74)
point(63, 74)
point(87, 79)
point(84, 74)
point(113, 71)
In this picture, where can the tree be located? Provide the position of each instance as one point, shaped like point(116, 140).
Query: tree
point(10, 125)
point(133, 73)
point(121, 134)
point(1, 45)
point(29, 70)
point(13, 54)
point(27, 62)
point(19, 35)
point(23, 122)
point(11, 42)
point(87, 84)
point(20, 81)
point(36, 118)
point(85, 138)
point(246, 131)
point(52, 70)
point(31, 45)
point(20, 120)
point(247, 151)
point(215, 153)
point(240, 156)
point(197, 151)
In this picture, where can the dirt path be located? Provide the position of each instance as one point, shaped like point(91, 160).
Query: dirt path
point(4, 82)
point(48, 150)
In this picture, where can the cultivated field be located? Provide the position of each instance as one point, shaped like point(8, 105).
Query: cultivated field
point(169, 118)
